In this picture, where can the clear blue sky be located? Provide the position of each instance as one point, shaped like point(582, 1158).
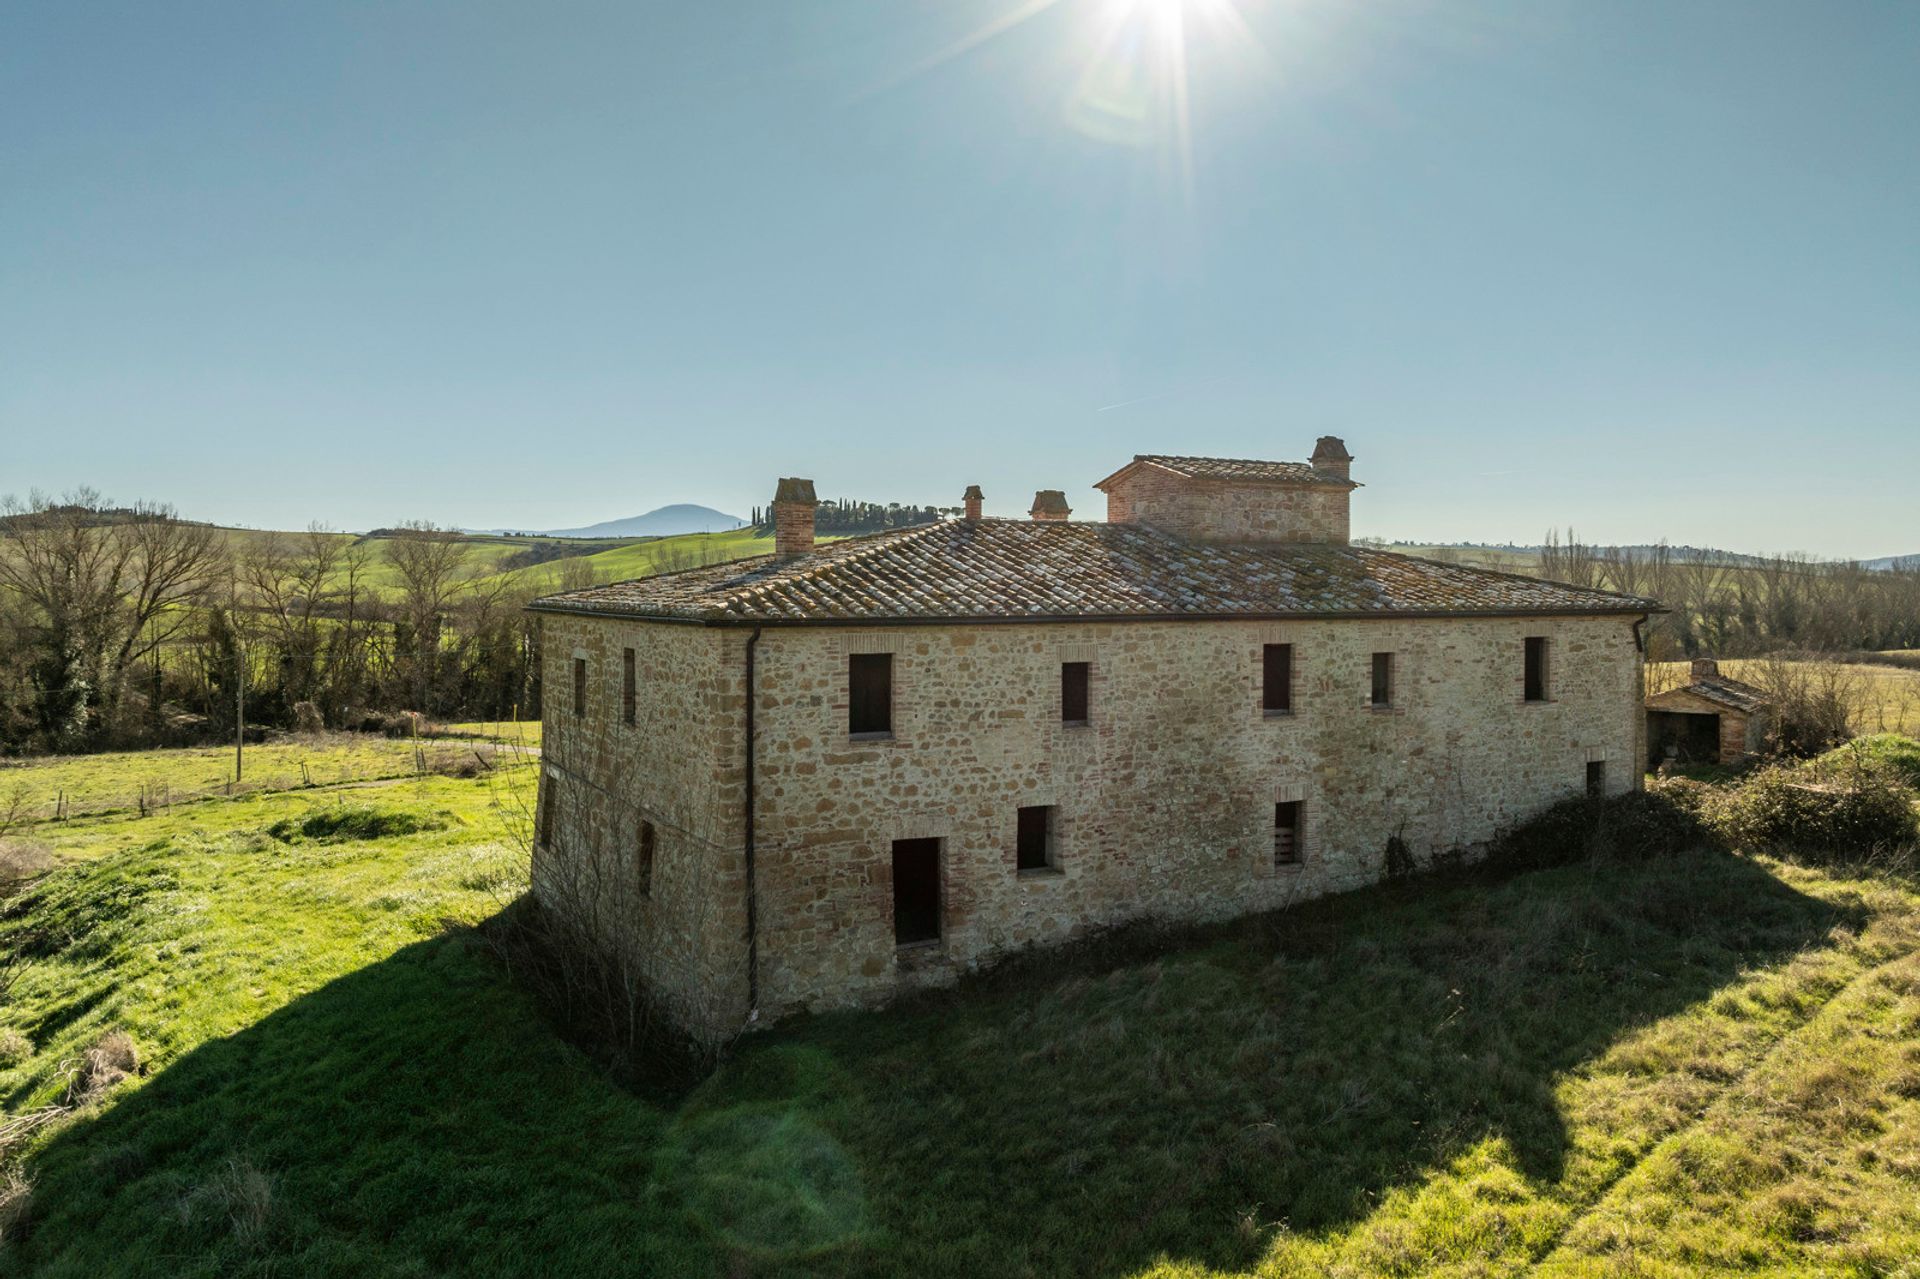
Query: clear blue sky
point(1646, 268)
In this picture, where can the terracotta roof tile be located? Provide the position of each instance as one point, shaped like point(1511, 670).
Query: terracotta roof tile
point(1719, 690)
point(1005, 570)
point(1242, 469)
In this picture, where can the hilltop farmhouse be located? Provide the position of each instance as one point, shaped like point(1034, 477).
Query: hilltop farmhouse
point(829, 774)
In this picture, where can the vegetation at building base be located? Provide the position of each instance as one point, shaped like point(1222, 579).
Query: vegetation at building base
point(223, 1052)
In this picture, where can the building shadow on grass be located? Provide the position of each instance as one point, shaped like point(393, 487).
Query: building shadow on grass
point(1083, 1113)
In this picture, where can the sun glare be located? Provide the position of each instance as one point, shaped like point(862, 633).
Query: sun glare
point(1132, 88)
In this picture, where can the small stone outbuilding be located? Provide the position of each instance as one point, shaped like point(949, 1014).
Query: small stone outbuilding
point(1713, 719)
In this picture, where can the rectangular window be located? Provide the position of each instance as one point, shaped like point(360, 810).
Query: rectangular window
point(629, 691)
point(1536, 668)
point(579, 687)
point(1382, 679)
point(1286, 833)
point(1596, 779)
point(1276, 679)
point(1075, 679)
point(543, 822)
point(870, 694)
point(916, 891)
point(643, 859)
point(1034, 838)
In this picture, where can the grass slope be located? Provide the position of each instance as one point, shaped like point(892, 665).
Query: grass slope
point(1705, 1065)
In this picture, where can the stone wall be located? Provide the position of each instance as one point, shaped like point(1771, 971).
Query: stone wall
point(1220, 511)
point(1165, 801)
point(678, 766)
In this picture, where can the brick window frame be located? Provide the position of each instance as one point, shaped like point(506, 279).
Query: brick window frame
point(1383, 680)
point(1294, 795)
point(848, 646)
point(1279, 678)
point(1036, 840)
point(1536, 670)
point(1076, 694)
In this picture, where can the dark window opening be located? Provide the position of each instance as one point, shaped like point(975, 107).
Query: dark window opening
point(579, 687)
point(916, 891)
point(1075, 678)
point(543, 824)
point(1286, 833)
point(628, 689)
point(643, 862)
point(1596, 778)
point(1536, 668)
point(1033, 848)
point(1383, 679)
point(870, 693)
point(1276, 679)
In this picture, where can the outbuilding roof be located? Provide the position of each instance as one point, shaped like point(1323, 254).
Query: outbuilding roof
point(1018, 570)
point(1719, 690)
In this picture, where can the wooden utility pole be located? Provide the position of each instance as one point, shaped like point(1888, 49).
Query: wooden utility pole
point(239, 705)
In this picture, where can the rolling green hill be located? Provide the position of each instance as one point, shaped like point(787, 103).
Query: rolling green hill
point(264, 1036)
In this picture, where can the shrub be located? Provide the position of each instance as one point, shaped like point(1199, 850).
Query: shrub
point(21, 862)
point(14, 1048)
point(16, 1202)
point(1860, 809)
point(358, 822)
point(111, 1059)
point(1656, 822)
point(1814, 704)
point(240, 1195)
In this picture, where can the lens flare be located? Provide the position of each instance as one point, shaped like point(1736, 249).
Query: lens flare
point(1131, 89)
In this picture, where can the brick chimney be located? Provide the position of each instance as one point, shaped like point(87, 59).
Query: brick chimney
point(1331, 459)
point(1705, 668)
point(1050, 504)
point(793, 504)
point(972, 499)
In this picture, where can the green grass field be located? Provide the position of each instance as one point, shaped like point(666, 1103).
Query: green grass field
point(121, 781)
point(483, 555)
point(525, 732)
point(1702, 1065)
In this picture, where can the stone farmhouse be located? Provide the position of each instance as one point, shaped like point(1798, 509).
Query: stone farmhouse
point(830, 774)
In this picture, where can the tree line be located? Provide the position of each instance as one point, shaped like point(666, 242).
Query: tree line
point(1747, 605)
point(128, 626)
point(845, 516)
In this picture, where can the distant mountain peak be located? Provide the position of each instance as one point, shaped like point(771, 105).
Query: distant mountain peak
point(663, 521)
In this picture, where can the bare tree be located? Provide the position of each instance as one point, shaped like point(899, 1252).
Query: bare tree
point(101, 588)
point(430, 563)
point(1572, 561)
